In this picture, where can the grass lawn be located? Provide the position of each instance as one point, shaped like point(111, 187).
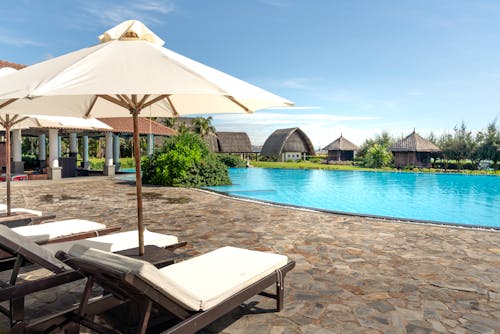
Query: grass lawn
point(315, 165)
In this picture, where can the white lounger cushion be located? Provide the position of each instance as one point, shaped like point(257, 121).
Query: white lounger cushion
point(117, 242)
point(198, 283)
point(62, 228)
point(3, 209)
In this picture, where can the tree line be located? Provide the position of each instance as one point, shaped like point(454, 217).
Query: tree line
point(461, 148)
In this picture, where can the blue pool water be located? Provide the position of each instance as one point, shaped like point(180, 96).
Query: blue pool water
point(448, 198)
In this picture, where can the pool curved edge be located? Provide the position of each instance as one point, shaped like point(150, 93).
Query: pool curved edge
point(351, 214)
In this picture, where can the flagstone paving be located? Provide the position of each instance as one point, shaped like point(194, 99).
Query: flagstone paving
point(353, 275)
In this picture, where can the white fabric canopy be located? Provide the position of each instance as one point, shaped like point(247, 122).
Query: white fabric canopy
point(71, 83)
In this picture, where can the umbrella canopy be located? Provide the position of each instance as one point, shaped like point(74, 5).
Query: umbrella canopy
point(129, 71)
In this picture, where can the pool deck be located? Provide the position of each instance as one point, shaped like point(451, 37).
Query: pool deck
point(353, 274)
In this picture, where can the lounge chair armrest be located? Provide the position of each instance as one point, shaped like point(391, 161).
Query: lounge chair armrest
point(82, 235)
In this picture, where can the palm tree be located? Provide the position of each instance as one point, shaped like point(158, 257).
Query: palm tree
point(203, 126)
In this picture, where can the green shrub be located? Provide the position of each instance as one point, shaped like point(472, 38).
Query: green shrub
point(30, 161)
point(96, 163)
point(127, 163)
point(232, 160)
point(377, 156)
point(184, 161)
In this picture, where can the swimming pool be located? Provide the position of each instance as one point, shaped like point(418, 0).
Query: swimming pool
point(448, 198)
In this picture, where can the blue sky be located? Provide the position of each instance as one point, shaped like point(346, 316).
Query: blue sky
point(356, 67)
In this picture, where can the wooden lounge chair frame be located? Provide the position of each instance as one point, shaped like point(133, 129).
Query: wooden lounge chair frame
point(15, 294)
point(17, 219)
point(130, 287)
point(8, 259)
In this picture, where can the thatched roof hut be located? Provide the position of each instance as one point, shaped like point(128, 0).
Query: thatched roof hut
point(340, 149)
point(234, 142)
point(413, 151)
point(287, 144)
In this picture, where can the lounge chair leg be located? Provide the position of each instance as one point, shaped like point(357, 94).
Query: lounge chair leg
point(144, 316)
point(280, 290)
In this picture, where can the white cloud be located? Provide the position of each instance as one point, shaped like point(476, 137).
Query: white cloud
point(9, 39)
point(275, 3)
point(147, 11)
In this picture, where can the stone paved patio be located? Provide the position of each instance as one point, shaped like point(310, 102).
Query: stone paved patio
point(353, 275)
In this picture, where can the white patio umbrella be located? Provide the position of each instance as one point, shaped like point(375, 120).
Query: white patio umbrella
point(129, 71)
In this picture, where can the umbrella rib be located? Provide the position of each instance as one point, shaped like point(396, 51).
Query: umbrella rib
point(153, 101)
point(87, 113)
point(14, 121)
point(125, 97)
point(115, 101)
point(134, 100)
point(6, 103)
point(141, 102)
point(232, 99)
point(172, 106)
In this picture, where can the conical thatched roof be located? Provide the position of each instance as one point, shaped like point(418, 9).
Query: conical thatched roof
point(211, 140)
point(414, 143)
point(234, 142)
point(287, 140)
point(341, 144)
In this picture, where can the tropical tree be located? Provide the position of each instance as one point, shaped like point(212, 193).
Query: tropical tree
point(377, 156)
point(488, 143)
point(203, 126)
point(384, 139)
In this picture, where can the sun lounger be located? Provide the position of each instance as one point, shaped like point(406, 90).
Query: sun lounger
point(24, 249)
point(197, 291)
point(3, 209)
point(64, 230)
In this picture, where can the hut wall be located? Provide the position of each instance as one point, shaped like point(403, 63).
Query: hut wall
point(333, 155)
point(404, 159)
point(424, 159)
point(295, 143)
point(294, 156)
point(336, 155)
point(412, 159)
point(346, 155)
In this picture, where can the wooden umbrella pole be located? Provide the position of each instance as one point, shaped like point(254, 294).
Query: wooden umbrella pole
point(7, 160)
point(138, 179)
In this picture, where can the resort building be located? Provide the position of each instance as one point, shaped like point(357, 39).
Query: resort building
point(234, 143)
point(287, 144)
point(413, 151)
point(340, 149)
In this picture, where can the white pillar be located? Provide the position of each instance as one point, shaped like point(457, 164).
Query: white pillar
point(116, 151)
point(16, 145)
point(151, 143)
point(59, 146)
point(109, 168)
point(54, 146)
point(42, 149)
point(85, 156)
point(17, 156)
point(73, 144)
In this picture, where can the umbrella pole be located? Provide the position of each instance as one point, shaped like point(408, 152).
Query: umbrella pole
point(7, 161)
point(138, 179)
